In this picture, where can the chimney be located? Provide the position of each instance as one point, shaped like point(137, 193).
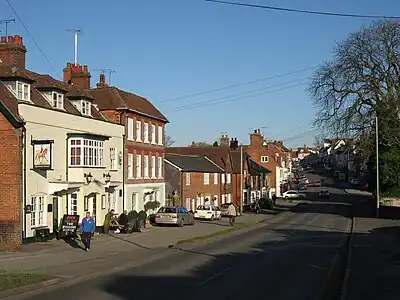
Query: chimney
point(12, 51)
point(224, 141)
point(102, 82)
point(234, 144)
point(77, 75)
point(256, 140)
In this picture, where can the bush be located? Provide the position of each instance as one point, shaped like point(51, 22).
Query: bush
point(151, 205)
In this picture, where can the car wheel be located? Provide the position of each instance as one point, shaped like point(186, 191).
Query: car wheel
point(180, 224)
point(212, 218)
point(286, 197)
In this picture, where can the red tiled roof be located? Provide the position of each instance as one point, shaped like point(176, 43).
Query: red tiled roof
point(9, 102)
point(114, 98)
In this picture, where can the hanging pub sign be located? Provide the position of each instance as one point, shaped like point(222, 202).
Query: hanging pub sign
point(42, 154)
point(69, 225)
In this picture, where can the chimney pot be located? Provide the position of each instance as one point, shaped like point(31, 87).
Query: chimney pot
point(10, 39)
point(258, 131)
point(3, 39)
point(102, 78)
point(85, 69)
point(255, 130)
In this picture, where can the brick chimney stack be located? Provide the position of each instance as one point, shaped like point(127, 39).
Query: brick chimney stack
point(77, 75)
point(102, 82)
point(224, 141)
point(12, 51)
point(256, 139)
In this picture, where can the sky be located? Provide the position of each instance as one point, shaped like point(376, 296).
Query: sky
point(167, 50)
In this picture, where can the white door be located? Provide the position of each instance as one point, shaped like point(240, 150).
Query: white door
point(202, 200)
point(188, 203)
point(216, 200)
point(193, 205)
point(133, 201)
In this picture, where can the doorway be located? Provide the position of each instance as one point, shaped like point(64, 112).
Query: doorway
point(56, 220)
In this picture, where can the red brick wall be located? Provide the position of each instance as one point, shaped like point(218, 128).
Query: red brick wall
point(197, 186)
point(10, 186)
point(258, 150)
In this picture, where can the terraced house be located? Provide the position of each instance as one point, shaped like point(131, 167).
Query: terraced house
point(71, 156)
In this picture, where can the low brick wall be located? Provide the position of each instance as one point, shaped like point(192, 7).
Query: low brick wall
point(10, 235)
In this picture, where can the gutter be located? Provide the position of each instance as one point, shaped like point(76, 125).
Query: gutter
point(66, 170)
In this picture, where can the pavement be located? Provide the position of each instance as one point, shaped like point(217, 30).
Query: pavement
point(58, 258)
point(278, 254)
point(375, 262)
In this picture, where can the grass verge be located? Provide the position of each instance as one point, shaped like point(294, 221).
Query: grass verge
point(217, 233)
point(14, 280)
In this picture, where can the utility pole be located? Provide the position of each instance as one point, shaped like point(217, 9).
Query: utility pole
point(241, 179)
point(76, 32)
point(6, 22)
point(377, 166)
point(108, 71)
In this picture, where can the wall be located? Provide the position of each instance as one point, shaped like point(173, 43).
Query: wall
point(10, 186)
point(48, 124)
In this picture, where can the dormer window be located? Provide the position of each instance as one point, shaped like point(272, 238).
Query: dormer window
point(23, 91)
point(85, 107)
point(58, 100)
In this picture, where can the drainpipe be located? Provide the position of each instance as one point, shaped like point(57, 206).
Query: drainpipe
point(66, 171)
point(23, 188)
point(181, 186)
point(123, 172)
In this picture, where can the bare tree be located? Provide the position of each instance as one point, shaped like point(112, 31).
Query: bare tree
point(360, 81)
point(169, 141)
point(319, 141)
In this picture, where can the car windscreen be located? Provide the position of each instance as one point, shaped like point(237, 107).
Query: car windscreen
point(203, 207)
point(167, 210)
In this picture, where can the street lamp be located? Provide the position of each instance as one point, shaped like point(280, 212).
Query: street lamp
point(107, 177)
point(88, 177)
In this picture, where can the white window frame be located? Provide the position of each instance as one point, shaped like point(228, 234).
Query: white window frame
point(187, 178)
point(160, 167)
point(146, 132)
point(130, 166)
point(113, 159)
point(146, 166)
point(223, 178)
point(23, 91)
point(215, 178)
point(206, 177)
point(138, 166)
point(228, 198)
point(138, 130)
point(86, 108)
point(73, 208)
point(153, 133)
point(264, 159)
point(153, 166)
point(57, 100)
point(160, 136)
point(228, 178)
point(91, 152)
point(38, 217)
point(130, 129)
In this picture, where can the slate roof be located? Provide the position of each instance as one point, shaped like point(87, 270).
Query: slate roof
point(45, 82)
point(235, 157)
point(219, 155)
point(115, 98)
point(256, 169)
point(193, 163)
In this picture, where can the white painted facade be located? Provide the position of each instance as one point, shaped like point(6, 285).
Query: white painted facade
point(138, 194)
point(63, 187)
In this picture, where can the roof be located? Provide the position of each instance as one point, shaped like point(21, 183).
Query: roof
point(193, 163)
point(219, 155)
point(39, 82)
point(114, 98)
point(256, 169)
point(236, 158)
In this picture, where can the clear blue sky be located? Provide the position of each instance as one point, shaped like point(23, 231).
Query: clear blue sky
point(163, 49)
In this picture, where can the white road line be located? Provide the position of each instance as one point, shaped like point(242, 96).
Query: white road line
point(214, 276)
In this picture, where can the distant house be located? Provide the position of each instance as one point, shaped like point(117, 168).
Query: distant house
point(194, 179)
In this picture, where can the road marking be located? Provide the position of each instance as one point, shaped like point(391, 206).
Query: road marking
point(214, 276)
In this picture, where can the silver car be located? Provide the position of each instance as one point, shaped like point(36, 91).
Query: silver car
point(174, 215)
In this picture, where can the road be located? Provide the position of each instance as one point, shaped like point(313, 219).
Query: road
point(287, 258)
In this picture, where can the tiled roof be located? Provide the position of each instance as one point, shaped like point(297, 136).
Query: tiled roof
point(7, 99)
point(236, 158)
point(40, 81)
point(219, 155)
point(114, 98)
point(256, 169)
point(193, 163)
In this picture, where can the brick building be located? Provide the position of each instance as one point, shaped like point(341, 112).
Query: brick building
point(144, 140)
point(11, 188)
point(194, 179)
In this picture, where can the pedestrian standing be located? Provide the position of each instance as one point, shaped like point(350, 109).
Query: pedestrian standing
point(87, 227)
point(232, 213)
point(107, 221)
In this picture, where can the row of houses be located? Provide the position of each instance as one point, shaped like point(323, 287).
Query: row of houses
point(67, 147)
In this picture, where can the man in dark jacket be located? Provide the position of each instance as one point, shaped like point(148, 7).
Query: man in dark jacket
point(87, 228)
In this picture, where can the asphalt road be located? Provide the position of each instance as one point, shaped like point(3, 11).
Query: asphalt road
point(287, 258)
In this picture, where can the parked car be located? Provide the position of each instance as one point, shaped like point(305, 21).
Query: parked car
point(324, 194)
point(294, 195)
point(224, 209)
point(174, 215)
point(207, 212)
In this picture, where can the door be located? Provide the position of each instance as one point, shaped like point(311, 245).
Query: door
point(216, 200)
point(188, 203)
point(133, 201)
point(94, 208)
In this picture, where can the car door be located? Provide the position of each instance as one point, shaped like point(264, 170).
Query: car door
point(188, 217)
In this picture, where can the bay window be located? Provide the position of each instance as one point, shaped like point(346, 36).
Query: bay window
point(138, 166)
point(86, 152)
